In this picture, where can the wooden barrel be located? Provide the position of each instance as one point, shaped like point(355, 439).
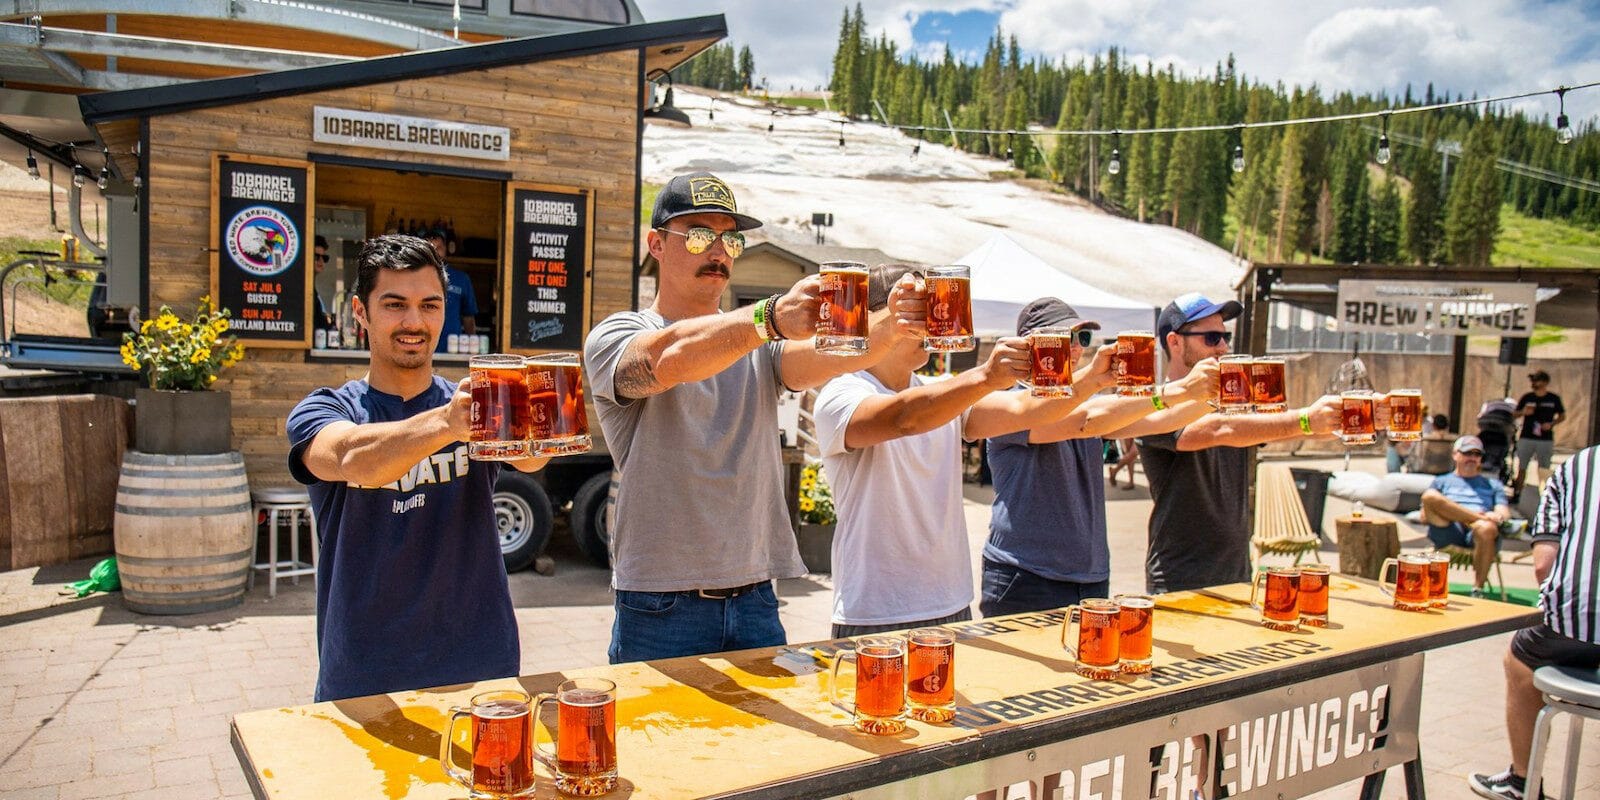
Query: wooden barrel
point(184, 532)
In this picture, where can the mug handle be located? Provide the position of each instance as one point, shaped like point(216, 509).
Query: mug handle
point(1066, 628)
point(445, 742)
point(541, 755)
point(833, 685)
point(1384, 584)
point(1255, 589)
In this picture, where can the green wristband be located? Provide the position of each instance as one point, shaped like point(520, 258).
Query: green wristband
point(761, 321)
point(1305, 422)
point(1155, 400)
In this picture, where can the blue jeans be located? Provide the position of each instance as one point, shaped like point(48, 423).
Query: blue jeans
point(1009, 590)
point(842, 631)
point(652, 625)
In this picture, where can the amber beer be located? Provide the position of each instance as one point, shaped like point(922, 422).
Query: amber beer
point(1410, 587)
point(1439, 580)
point(502, 742)
point(949, 310)
point(585, 757)
point(1233, 385)
point(1280, 603)
point(842, 321)
point(880, 704)
point(1356, 423)
point(1050, 362)
point(1134, 363)
point(1267, 392)
point(1099, 624)
point(1136, 641)
point(1405, 415)
point(930, 674)
point(499, 424)
point(557, 422)
point(1314, 595)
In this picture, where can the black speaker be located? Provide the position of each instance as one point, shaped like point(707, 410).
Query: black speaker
point(1513, 350)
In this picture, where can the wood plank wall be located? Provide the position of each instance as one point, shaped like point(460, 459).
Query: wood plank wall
point(573, 121)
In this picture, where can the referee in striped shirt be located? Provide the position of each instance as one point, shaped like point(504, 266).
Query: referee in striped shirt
point(1566, 546)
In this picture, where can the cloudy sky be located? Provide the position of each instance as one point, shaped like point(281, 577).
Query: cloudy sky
point(1491, 47)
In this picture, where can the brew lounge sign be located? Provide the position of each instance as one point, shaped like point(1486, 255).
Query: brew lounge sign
point(1454, 309)
point(410, 134)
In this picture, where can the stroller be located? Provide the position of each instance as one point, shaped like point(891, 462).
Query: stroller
point(1498, 430)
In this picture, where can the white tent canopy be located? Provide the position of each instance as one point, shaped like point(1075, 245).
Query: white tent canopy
point(1006, 277)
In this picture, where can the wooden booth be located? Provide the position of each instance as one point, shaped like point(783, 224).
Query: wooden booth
point(524, 152)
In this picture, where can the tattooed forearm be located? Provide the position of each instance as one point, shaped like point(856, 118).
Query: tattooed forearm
point(635, 376)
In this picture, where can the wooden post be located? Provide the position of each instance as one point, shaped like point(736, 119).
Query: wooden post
point(1458, 382)
point(1364, 542)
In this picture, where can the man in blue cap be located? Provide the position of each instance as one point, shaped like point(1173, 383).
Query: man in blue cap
point(1199, 474)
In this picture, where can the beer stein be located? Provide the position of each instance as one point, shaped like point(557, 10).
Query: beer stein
point(502, 743)
point(585, 756)
point(1280, 602)
point(1233, 384)
point(558, 425)
point(880, 702)
point(1313, 600)
point(499, 424)
point(1405, 415)
point(842, 322)
point(1134, 363)
point(1050, 362)
point(1356, 425)
point(1136, 640)
point(931, 674)
point(949, 310)
point(1099, 639)
point(1439, 580)
point(1267, 392)
point(1410, 587)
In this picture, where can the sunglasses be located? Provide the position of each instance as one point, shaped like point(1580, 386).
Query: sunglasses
point(320, 256)
point(698, 240)
point(1473, 453)
point(1213, 338)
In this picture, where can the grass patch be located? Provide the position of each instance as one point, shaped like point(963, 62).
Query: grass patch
point(1528, 242)
point(647, 201)
point(70, 287)
point(815, 103)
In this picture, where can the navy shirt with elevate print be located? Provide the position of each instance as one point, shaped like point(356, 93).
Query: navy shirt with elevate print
point(411, 589)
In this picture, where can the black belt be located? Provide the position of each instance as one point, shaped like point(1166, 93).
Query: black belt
point(729, 594)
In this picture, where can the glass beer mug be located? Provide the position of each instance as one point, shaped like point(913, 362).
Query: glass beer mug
point(1233, 384)
point(585, 756)
point(1099, 638)
point(1410, 587)
point(1405, 415)
point(1050, 362)
point(880, 703)
point(1136, 641)
point(1134, 363)
point(558, 425)
point(949, 310)
point(502, 741)
point(931, 674)
point(1280, 602)
point(499, 424)
point(1314, 595)
point(1268, 394)
point(842, 322)
point(1356, 417)
point(1439, 580)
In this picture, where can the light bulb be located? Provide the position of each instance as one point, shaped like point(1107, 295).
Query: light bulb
point(104, 178)
point(916, 149)
point(1238, 158)
point(33, 166)
point(1384, 153)
point(1116, 162)
point(78, 173)
point(1563, 130)
point(841, 140)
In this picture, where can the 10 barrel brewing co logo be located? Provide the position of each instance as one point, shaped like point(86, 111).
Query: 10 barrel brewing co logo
point(262, 241)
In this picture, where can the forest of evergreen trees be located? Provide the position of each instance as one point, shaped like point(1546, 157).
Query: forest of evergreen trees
point(717, 67)
point(1305, 190)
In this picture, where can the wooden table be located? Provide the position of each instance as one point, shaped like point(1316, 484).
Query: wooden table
point(1226, 696)
point(1364, 542)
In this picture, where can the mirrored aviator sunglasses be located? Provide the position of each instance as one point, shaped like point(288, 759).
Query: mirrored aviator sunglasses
point(1085, 337)
point(698, 240)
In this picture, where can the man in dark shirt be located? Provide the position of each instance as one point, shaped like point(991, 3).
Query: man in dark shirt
point(1540, 410)
point(1199, 474)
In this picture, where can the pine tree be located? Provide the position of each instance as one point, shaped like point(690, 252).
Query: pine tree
point(1424, 231)
point(1383, 232)
point(1348, 243)
point(1472, 222)
point(747, 68)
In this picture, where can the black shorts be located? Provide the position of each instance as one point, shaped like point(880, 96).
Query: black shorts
point(1539, 646)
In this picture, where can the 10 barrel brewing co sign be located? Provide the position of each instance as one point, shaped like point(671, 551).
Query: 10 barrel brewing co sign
point(262, 247)
point(1454, 309)
point(548, 269)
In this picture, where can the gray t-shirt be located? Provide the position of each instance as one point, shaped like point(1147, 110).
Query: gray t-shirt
point(1199, 528)
point(700, 502)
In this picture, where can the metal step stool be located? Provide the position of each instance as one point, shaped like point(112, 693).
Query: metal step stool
point(285, 504)
point(1568, 690)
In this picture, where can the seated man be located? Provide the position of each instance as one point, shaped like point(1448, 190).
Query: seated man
point(1466, 508)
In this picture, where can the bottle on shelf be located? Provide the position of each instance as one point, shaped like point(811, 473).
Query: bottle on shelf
point(391, 225)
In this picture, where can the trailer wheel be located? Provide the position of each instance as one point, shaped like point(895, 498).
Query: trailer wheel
point(590, 518)
point(522, 518)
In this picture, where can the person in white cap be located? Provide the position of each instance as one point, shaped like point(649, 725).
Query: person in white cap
point(1466, 508)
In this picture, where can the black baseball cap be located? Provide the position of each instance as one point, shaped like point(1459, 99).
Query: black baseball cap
point(1539, 375)
point(1048, 311)
point(698, 193)
point(1189, 308)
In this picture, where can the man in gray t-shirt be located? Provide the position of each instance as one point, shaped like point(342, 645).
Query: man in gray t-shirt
point(687, 398)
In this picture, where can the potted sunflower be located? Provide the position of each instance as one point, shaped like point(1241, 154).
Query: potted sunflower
point(176, 412)
point(817, 520)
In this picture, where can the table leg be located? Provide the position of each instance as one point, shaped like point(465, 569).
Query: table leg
point(1372, 787)
point(1414, 786)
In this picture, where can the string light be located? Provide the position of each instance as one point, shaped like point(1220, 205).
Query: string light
point(1384, 153)
point(771, 119)
point(33, 166)
point(841, 133)
point(1116, 154)
point(916, 149)
point(1238, 158)
point(1563, 128)
point(105, 170)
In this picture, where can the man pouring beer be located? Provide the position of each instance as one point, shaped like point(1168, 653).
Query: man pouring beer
point(1199, 474)
point(687, 399)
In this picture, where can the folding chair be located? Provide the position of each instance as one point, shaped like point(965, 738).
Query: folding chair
point(1281, 525)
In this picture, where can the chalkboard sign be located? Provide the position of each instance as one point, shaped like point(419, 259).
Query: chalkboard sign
point(261, 249)
point(547, 276)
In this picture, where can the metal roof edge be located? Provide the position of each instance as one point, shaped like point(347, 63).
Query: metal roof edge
point(109, 106)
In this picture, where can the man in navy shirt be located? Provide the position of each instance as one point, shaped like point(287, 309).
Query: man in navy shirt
point(411, 589)
point(1465, 508)
point(460, 302)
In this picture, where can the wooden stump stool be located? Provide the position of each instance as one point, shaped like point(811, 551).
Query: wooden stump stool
point(1364, 542)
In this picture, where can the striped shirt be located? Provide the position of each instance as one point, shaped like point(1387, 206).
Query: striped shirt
point(1569, 516)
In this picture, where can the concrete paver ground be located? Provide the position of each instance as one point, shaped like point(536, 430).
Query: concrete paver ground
point(99, 702)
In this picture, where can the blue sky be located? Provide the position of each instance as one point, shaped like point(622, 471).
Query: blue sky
point(1488, 47)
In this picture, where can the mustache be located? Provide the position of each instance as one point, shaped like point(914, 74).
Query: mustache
point(712, 268)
